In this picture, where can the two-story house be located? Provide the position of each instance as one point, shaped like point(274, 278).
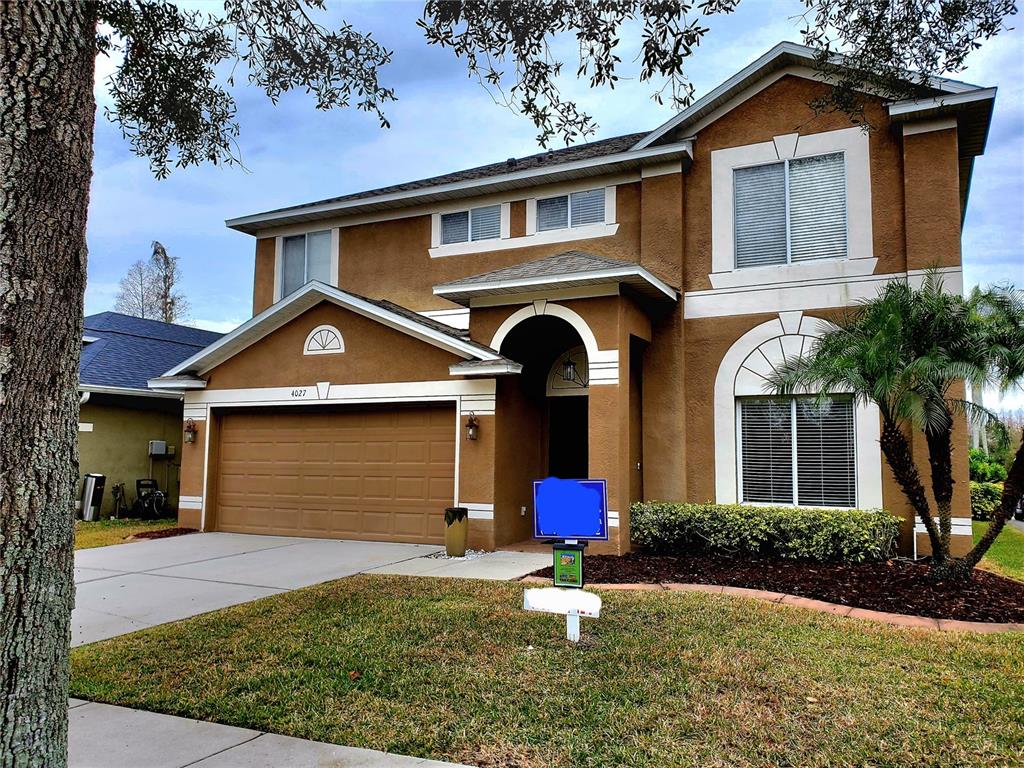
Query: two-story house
point(607, 310)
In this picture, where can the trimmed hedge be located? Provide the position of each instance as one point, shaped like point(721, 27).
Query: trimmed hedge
point(985, 498)
point(791, 533)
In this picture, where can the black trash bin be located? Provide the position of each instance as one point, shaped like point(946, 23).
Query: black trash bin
point(92, 496)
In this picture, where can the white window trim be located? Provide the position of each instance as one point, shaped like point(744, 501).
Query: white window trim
point(279, 258)
point(853, 143)
point(796, 464)
point(532, 236)
point(732, 382)
point(437, 248)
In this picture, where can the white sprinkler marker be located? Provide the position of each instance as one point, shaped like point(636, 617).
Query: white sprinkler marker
point(571, 603)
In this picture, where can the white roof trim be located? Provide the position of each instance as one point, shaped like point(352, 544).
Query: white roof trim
point(910, 106)
point(175, 383)
point(751, 70)
point(610, 274)
point(499, 368)
point(294, 305)
point(268, 218)
point(131, 391)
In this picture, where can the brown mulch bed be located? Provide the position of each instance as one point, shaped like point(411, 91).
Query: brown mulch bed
point(896, 586)
point(164, 533)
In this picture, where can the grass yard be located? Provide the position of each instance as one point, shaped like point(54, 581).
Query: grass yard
point(457, 670)
point(1006, 556)
point(103, 533)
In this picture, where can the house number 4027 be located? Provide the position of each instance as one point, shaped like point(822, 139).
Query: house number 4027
point(299, 392)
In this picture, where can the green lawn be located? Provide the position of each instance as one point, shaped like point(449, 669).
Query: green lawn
point(1006, 556)
point(456, 669)
point(102, 533)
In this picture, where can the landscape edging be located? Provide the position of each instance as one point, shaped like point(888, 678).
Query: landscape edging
point(795, 601)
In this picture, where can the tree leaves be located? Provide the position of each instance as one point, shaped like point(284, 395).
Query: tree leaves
point(168, 102)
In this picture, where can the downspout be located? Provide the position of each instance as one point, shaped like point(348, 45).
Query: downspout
point(84, 399)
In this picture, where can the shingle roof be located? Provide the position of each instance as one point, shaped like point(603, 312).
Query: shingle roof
point(430, 322)
point(565, 270)
point(129, 350)
point(541, 159)
point(566, 263)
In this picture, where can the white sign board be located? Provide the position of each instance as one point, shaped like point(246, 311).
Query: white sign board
point(571, 603)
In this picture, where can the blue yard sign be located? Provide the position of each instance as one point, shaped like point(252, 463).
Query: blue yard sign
point(570, 509)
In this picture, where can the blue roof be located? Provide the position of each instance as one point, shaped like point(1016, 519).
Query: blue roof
point(128, 351)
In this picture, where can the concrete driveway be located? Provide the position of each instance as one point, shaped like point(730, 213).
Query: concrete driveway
point(126, 587)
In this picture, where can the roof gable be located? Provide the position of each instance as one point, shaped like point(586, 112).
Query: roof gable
point(781, 56)
point(276, 316)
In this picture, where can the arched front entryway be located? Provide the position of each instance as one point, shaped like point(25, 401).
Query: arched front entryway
point(549, 417)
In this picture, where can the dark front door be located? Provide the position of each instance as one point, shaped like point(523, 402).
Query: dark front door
point(567, 436)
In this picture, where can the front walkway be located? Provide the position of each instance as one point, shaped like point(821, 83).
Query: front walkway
point(102, 736)
point(127, 587)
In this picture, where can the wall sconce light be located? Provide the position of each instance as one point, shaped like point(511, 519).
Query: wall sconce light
point(191, 430)
point(472, 427)
point(571, 374)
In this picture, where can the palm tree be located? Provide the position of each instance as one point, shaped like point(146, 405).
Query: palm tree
point(911, 351)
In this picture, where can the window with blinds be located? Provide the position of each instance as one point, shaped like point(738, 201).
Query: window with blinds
point(305, 258)
point(485, 222)
point(795, 451)
point(586, 207)
point(766, 439)
point(759, 197)
point(574, 210)
point(826, 469)
point(790, 211)
point(482, 223)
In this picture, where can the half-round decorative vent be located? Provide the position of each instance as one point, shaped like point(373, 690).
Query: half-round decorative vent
point(324, 340)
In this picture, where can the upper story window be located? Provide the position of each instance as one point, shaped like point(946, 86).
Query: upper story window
point(573, 210)
point(304, 258)
point(795, 451)
point(482, 223)
point(790, 211)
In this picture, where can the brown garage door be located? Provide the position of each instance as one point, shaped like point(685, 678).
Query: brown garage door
point(379, 474)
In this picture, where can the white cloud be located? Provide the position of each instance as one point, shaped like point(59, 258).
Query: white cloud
point(217, 326)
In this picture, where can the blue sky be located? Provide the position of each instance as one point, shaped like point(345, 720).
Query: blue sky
point(444, 121)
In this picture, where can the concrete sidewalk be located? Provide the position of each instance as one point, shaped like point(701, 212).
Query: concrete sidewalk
point(103, 736)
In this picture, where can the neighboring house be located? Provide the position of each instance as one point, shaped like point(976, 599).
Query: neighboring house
point(606, 310)
point(119, 414)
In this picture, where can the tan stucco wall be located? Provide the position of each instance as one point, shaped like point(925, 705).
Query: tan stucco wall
point(390, 259)
point(118, 447)
point(779, 109)
point(373, 353)
point(263, 275)
point(931, 169)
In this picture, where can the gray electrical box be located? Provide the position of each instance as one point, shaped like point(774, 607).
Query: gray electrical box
point(157, 447)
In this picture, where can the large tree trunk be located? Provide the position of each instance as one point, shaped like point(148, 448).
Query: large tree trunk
point(47, 53)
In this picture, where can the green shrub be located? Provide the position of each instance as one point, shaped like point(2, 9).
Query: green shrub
point(792, 533)
point(985, 498)
point(985, 468)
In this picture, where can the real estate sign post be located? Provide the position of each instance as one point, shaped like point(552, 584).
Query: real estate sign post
point(568, 513)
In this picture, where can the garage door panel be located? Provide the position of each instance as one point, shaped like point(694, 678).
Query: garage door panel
point(411, 488)
point(442, 489)
point(381, 473)
point(442, 452)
